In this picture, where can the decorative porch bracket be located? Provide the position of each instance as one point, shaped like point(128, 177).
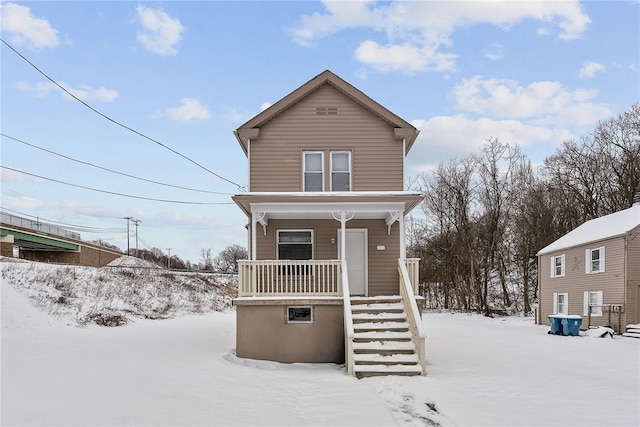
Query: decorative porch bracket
point(343, 217)
point(261, 218)
point(391, 218)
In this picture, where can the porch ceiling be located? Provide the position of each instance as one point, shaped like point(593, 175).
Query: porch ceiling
point(363, 205)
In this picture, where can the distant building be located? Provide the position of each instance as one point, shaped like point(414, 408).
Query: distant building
point(37, 241)
point(594, 271)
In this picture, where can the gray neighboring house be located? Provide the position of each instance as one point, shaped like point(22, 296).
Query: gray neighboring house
point(596, 268)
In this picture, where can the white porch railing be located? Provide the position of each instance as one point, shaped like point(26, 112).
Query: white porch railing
point(413, 270)
point(289, 278)
point(301, 277)
point(413, 314)
point(349, 332)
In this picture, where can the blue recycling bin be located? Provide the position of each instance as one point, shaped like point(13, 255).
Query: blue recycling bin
point(555, 321)
point(571, 325)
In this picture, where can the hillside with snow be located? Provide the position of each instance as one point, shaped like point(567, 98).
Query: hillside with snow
point(128, 288)
point(179, 368)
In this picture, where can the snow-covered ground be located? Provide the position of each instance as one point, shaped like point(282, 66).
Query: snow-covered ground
point(182, 371)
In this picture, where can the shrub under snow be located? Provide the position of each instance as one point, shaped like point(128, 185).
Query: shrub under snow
point(115, 295)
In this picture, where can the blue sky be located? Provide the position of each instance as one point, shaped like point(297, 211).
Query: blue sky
point(186, 74)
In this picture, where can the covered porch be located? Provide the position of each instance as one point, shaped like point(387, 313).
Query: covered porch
point(299, 241)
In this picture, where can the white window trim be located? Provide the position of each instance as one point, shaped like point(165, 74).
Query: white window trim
point(348, 153)
point(311, 230)
point(566, 302)
point(304, 168)
point(299, 321)
point(596, 311)
point(562, 266)
point(588, 262)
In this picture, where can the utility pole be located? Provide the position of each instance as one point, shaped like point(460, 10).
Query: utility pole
point(169, 258)
point(136, 222)
point(128, 218)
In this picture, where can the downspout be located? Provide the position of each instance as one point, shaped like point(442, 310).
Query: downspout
point(249, 169)
point(254, 223)
point(252, 237)
point(404, 157)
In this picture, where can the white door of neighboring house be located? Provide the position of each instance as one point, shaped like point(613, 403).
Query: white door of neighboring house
point(356, 248)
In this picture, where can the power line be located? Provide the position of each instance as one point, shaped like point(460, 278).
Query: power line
point(111, 170)
point(115, 121)
point(113, 192)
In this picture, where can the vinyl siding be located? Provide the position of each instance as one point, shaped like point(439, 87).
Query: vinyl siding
point(383, 273)
point(276, 156)
point(575, 281)
point(633, 276)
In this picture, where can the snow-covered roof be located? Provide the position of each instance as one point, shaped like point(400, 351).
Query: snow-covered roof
point(607, 226)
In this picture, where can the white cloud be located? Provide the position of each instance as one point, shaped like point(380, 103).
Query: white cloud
point(415, 33)
point(494, 52)
point(543, 102)
point(160, 33)
point(189, 109)
point(232, 115)
point(265, 105)
point(406, 57)
point(83, 92)
point(444, 137)
point(27, 30)
point(589, 69)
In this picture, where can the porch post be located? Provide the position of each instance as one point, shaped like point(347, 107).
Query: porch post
point(343, 235)
point(343, 218)
point(403, 249)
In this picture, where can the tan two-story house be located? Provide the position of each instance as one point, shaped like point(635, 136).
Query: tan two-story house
point(594, 272)
point(328, 279)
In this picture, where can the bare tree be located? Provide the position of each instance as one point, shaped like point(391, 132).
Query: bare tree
point(207, 261)
point(227, 259)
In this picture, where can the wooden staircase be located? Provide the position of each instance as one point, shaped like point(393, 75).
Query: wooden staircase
point(383, 343)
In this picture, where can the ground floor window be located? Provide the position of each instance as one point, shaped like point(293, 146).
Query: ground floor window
point(560, 303)
point(295, 244)
point(300, 314)
point(593, 299)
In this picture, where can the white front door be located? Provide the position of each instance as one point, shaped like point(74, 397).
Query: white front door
point(356, 249)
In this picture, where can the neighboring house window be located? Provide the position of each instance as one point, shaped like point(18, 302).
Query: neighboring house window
point(594, 260)
point(313, 166)
point(295, 244)
point(560, 303)
point(300, 314)
point(340, 171)
point(593, 300)
point(557, 266)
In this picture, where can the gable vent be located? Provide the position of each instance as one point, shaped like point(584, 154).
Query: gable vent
point(326, 111)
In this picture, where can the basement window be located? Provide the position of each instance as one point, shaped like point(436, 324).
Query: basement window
point(300, 314)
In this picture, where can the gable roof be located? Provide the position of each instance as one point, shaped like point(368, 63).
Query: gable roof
point(251, 128)
point(612, 225)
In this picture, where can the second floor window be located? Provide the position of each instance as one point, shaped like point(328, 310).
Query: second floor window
point(338, 164)
point(313, 165)
point(557, 266)
point(594, 260)
point(340, 171)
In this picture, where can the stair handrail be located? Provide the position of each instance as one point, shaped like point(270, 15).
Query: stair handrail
point(413, 314)
point(348, 320)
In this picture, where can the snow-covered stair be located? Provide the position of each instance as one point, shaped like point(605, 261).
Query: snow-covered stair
point(633, 331)
point(383, 344)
